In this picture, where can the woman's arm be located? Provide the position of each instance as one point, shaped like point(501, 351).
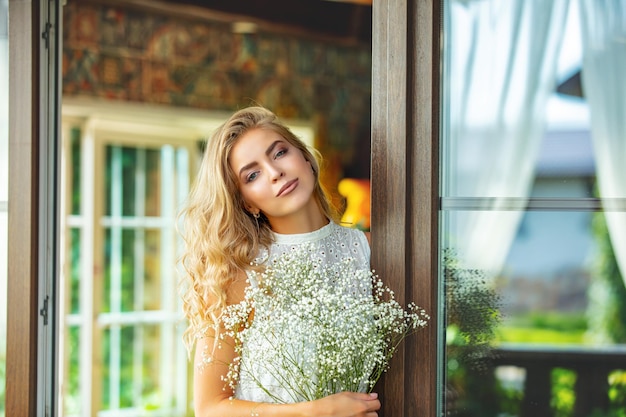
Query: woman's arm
point(214, 398)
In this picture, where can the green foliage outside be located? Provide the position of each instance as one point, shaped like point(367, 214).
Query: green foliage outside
point(71, 398)
point(544, 327)
point(606, 313)
point(473, 326)
point(563, 397)
point(607, 293)
point(472, 315)
point(615, 412)
point(604, 323)
point(562, 329)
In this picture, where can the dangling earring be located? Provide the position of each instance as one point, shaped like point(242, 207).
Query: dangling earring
point(256, 215)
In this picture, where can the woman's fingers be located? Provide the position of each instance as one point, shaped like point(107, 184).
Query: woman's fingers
point(348, 404)
point(370, 402)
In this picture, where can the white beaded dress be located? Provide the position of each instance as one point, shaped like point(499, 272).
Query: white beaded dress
point(332, 243)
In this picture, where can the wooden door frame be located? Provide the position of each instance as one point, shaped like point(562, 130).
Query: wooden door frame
point(405, 191)
point(405, 136)
point(34, 87)
point(23, 213)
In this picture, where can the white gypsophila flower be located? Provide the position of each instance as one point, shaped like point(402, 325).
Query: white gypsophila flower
point(318, 328)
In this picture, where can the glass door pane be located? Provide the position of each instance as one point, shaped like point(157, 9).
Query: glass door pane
point(123, 316)
point(533, 259)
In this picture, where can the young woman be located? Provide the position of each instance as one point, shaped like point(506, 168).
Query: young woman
point(257, 193)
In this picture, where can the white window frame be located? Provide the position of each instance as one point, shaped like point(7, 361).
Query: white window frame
point(102, 124)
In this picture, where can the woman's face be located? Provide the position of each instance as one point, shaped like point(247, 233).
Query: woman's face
point(273, 175)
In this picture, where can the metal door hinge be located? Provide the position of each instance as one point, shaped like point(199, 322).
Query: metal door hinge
point(46, 34)
point(43, 312)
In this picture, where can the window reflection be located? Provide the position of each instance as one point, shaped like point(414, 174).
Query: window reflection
point(537, 329)
point(534, 209)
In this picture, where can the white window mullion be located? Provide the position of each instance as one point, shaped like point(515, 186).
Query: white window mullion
point(183, 170)
point(168, 251)
point(139, 273)
point(116, 278)
point(65, 190)
point(87, 261)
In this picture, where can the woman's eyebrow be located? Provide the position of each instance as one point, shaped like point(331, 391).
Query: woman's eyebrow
point(268, 151)
point(270, 148)
point(246, 167)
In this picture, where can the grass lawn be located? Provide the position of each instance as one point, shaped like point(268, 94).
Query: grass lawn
point(543, 327)
point(534, 335)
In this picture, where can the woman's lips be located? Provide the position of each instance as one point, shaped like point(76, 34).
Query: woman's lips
point(288, 187)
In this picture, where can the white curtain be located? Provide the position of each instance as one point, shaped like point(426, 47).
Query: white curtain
point(501, 71)
point(603, 24)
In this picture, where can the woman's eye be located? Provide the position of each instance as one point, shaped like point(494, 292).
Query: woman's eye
point(252, 176)
point(280, 153)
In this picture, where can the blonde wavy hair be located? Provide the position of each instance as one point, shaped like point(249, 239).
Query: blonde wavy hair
point(221, 238)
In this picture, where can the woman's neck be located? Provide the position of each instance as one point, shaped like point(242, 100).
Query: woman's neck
point(302, 222)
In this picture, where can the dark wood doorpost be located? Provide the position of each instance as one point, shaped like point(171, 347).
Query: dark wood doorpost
point(22, 308)
point(405, 195)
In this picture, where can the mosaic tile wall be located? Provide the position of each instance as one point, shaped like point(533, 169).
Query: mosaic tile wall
point(118, 54)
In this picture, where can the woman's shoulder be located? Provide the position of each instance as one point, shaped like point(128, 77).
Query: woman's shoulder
point(236, 291)
point(353, 231)
point(355, 238)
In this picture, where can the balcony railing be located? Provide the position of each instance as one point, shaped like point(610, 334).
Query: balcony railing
point(591, 365)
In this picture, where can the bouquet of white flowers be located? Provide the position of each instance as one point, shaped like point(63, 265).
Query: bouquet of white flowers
point(319, 329)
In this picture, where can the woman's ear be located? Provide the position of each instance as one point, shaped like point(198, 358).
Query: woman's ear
point(253, 210)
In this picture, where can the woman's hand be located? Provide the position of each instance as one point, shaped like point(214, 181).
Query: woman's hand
point(346, 404)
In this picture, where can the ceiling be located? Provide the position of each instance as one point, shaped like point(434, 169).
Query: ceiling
point(340, 21)
point(345, 21)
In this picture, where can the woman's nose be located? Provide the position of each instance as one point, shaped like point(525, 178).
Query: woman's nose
point(276, 173)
